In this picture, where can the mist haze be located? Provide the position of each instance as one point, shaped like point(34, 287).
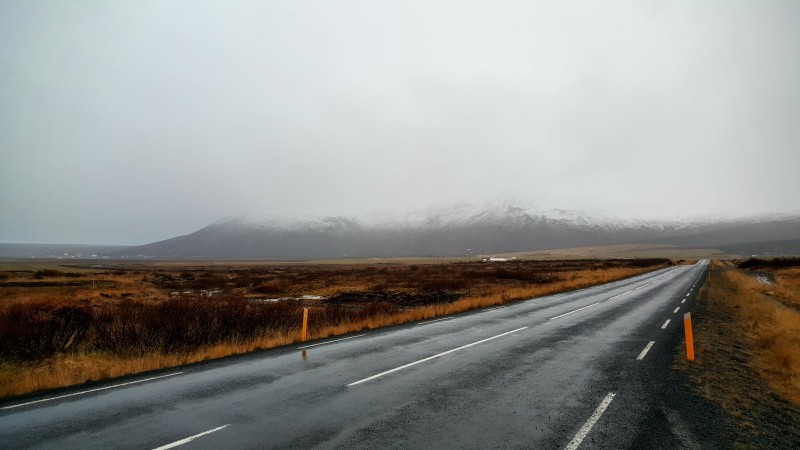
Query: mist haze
point(132, 122)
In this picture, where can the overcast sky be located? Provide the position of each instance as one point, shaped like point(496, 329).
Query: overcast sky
point(125, 122)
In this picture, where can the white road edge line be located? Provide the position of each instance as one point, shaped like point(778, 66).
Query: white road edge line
point(676, 310)
point(438, 355)
point(89, 391)
point(432, 321)
point(571, 312)
point(646, 349)
point(329, 342)
point(620, 295)
point(665, 324)
point(587, 427)
point(190, 438)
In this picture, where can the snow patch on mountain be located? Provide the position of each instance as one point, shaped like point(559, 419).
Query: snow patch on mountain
point(510, 212)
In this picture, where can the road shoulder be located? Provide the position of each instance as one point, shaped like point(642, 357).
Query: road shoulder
point(753, 415)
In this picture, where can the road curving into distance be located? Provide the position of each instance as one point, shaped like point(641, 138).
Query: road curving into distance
point(588, 368)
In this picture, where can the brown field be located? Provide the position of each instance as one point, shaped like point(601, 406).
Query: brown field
point(747, 342)
point(620, 251)
point(63, 325)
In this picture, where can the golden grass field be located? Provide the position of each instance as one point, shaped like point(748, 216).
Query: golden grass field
point(770, 316)
point(620, 251)
point(747, 347)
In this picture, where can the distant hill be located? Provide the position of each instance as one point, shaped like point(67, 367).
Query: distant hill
point(772, 248)
point(463, 230)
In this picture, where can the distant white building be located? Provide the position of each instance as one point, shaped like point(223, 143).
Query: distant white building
point(496, 259)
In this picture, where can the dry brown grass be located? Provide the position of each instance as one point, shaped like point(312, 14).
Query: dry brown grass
point(787, 282)
point(577, 281)
point(746, 352)
point(91, 289)
point(620, 251)
point(90, 365)
point(71, 369)
point(772, 328)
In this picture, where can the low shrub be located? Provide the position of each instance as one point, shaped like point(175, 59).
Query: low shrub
point(47, 273)
point(32, 332)
point(774, 263)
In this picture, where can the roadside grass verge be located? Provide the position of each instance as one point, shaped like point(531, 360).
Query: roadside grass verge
point(775, 331)
point(747, 347)
point(50, 344)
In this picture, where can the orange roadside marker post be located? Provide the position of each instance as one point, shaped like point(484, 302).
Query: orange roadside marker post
point(687, 329)
point(305, 325)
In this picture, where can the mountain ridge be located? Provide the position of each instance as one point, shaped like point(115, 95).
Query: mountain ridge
point(459, 230)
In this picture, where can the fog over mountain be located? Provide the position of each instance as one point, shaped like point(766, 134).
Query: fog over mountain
point(461, 230)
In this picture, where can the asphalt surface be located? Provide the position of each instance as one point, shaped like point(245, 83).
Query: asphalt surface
point(554, 372)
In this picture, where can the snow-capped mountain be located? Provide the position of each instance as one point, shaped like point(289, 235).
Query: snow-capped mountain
point(455, 230)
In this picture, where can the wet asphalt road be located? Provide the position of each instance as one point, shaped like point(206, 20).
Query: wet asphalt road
point(533, 374)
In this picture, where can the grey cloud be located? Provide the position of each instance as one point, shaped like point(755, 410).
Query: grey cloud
point(127, 122)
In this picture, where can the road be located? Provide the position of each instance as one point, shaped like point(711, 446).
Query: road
point(586, 369)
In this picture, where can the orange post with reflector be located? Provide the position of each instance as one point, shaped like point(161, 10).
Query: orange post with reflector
point(304, 333)
point(687, 329)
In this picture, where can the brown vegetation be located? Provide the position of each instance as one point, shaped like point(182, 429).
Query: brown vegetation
point(747, 341)
point(772, 263)
point(58, 329)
